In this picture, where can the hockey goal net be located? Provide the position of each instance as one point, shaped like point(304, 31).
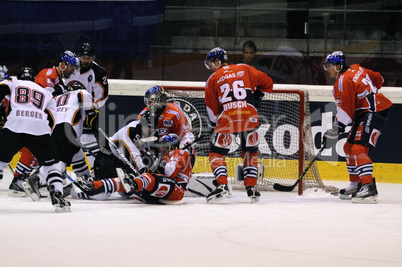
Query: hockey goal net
point(286, 143)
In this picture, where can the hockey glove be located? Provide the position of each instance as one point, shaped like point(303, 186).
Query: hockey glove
point(331, 136)
point(258, 95)
point(92, 118)
point(58, 90)
point(151, 162)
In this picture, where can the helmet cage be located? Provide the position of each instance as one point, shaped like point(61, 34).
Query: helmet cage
point(155, 97)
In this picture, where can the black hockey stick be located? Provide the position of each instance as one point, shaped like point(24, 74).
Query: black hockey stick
point(285, 188)
point(124, 159)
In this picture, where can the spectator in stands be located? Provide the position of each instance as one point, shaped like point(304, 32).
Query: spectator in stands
point(250, 56)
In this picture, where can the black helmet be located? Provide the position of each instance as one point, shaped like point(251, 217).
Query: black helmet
point(26, 73)
point(86, 50)
point(75, 86)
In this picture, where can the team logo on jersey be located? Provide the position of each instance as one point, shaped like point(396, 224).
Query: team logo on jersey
point(252, 139)
point(240, 74)
point(162, 190)
point(167, 123)
point(90, 78)
point(224, 140)
point(374, 137)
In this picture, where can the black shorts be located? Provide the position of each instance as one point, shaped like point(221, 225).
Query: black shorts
point(66, 143)
point(41, 146)
point(367, 127)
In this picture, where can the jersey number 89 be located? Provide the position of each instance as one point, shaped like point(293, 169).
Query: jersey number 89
point(26, 95)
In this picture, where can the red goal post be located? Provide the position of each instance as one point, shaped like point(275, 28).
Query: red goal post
point(286, 146)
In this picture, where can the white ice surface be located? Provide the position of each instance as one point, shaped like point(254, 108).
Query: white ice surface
point(284, 229)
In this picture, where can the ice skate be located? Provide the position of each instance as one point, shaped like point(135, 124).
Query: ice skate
point(367, 194)
point(85, 183)
point(58, 202)
point(31, 187)
point(221, 192)
point(253, 194)
point(127, 180)
point(15, 189)
point(353, 188)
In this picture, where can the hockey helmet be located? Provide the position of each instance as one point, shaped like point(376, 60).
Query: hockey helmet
point(87, 49)
point(335, 58)
point(70, 58)
point(4, 75)
point(155, 97)
point(215, 53)
point(169, 140)
point(26, 74)
point(75, 86)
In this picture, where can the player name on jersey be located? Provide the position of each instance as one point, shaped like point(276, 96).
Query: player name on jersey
point(28, 113)
point(235, 105)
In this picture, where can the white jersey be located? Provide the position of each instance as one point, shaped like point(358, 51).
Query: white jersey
point(32, 108)
point(94, 81)
point(126, 138)
point(71, 107)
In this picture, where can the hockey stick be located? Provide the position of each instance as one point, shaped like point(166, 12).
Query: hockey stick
point(125, 160)
point(74, 182)
point(285, 188)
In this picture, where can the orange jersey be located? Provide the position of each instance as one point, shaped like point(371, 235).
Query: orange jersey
point(172, 120)
point(230, 100)
point(356, 90)
point(48, 78)
point(178, 166)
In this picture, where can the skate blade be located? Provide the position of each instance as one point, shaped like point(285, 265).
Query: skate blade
point(60, 209)
point(254, 199)
point(345, 197)
point(29, 192)
point(15, 193)
point(366, 200)
point(217, 198)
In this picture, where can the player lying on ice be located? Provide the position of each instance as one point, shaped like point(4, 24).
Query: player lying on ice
point(165, 185)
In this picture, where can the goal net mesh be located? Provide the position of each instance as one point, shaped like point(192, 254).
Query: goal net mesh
point(286, 143)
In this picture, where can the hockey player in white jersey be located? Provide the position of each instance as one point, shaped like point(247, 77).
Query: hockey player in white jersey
point(29, 124)
point(73, 108)
point(130, 143)
point(94, 79)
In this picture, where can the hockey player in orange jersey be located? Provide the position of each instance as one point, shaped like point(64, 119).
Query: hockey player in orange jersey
point(166, 186)
point(232, 95)
point(169, 118)
point(360, 104)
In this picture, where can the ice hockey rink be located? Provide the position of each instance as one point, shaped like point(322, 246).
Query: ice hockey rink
point(283, 229)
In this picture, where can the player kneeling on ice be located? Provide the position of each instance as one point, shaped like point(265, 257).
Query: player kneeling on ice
point(129, 149)
point(167, 185)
